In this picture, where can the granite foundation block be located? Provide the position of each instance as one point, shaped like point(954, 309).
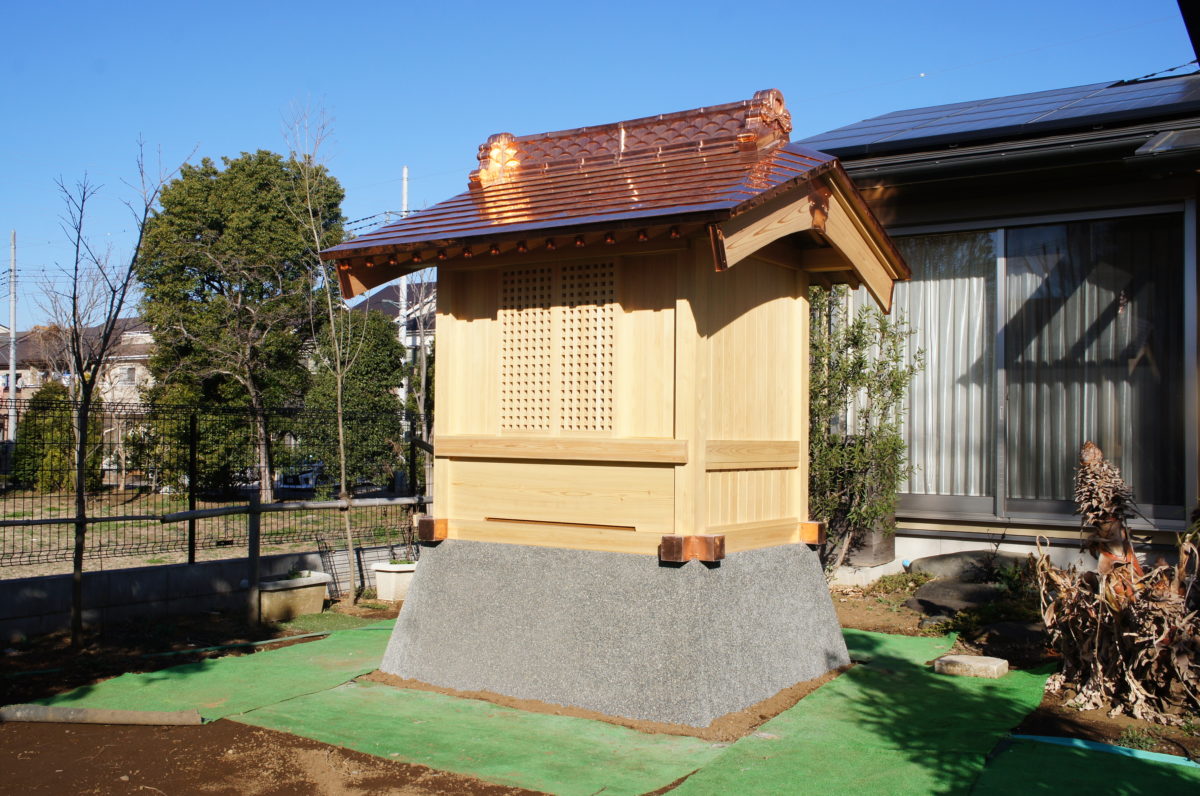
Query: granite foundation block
point(616, 633)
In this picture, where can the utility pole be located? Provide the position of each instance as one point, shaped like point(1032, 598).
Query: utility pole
point(12, 339)
point(402, 286)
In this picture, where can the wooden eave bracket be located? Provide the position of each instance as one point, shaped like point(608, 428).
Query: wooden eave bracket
point(431, 530)
point(832, 206)
point(677, 549)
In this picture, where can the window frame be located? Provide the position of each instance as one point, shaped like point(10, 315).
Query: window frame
point(965, 508)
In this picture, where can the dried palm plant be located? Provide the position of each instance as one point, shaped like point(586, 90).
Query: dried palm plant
point(1129, 639)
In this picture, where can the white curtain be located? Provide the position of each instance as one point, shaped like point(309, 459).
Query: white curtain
point(949, 422)
point(1093, 352)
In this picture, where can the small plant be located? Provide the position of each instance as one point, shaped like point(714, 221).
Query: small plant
point(901, 582)
point(401, 561)
point(1133, 738)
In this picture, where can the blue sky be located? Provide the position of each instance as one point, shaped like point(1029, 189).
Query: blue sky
point(424, 84)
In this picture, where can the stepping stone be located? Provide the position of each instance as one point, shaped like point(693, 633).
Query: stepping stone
point(971, 666)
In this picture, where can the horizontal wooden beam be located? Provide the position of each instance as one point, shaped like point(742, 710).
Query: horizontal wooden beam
point(730, 454)
point(636, 451)
point(544, 534)
point(431, 530)
point(812, 532)
point(744, 536)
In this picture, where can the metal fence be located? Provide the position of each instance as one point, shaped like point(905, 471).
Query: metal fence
point(146, 461)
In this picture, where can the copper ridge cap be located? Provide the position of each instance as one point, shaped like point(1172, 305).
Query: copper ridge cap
point(749, 125)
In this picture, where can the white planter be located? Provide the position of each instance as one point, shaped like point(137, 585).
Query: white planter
point(392, 580)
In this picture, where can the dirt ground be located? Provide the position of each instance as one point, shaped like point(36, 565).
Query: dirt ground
point(881, 613)
point(219, 758)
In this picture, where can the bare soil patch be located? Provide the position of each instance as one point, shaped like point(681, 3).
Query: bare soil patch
point(1055, 719)
point(219, 758)
point(881, 613)
point(726, 728)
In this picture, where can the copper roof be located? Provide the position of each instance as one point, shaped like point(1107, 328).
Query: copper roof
point(710, 159)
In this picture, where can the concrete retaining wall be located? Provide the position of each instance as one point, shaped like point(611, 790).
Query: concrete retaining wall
point(33, 606)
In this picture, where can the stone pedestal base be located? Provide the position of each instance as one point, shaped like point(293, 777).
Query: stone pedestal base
point(616, 633)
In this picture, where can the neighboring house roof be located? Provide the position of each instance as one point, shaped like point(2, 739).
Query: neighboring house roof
point(387, 299)
point(1090, 108)
point(43, 345)
point(700, 166)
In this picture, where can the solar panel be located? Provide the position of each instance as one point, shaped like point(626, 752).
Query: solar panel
point(1019, 114)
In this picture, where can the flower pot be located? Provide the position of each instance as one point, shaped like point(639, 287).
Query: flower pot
point(280, 599)
point(392, 580)
point(878, 546)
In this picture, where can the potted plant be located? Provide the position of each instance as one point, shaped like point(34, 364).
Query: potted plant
point(392, 578)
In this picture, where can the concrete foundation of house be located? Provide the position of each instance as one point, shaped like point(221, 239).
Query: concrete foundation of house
point(617, 633)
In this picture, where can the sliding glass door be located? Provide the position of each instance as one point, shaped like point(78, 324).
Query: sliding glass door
point(1088, 331)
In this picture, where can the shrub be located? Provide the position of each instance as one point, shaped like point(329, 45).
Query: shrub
point(856, 452)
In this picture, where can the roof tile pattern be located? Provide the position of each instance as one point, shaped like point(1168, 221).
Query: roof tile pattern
point(706, 160)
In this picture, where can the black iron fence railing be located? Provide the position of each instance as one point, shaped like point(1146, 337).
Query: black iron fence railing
point(146, 461)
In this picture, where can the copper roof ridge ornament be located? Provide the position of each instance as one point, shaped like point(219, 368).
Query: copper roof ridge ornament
point(758, 123)
point(499, 161)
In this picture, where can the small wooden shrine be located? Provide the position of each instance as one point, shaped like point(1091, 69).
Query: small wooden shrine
point(622, 329)
point(622, 339)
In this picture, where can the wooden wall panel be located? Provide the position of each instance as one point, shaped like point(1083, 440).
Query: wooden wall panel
point(800, 388)
point(468, 374)
point(644, 378)
point(754, 352)
point(632, 496)
point(739, 496)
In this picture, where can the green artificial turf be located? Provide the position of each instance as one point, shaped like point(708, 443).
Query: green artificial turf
point(556, 754)
point(235, 684)
point(889, 726)
point(1032, 767)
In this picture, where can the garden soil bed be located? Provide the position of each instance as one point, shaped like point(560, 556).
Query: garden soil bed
point(219, 758)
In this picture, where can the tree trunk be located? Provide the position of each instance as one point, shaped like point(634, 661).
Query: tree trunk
point(345, 490)
point(262, 443)
point(79, 425)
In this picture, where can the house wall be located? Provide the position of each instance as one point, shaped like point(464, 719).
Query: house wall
point(925, 203)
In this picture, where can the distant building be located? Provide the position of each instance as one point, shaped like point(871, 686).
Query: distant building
point(419, 309)
point(42, 356)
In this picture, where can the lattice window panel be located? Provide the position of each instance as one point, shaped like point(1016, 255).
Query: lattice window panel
point(588, 295)
point(526, 367)
point(556, 370)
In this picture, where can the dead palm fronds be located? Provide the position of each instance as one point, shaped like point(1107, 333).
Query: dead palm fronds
point(1129, 639)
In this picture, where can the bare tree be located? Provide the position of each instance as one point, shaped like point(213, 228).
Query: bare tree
point(345, 329)
point(421, 301)
point(85, 307)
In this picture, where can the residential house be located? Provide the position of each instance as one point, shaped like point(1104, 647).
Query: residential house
point(42, 355)
point(1053, 242)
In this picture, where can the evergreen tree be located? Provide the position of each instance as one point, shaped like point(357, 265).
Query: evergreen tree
point(226, 274)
